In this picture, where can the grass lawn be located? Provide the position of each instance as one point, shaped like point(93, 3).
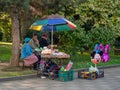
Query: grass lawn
point(79, 60)
point(5, 52)
point(83, 61)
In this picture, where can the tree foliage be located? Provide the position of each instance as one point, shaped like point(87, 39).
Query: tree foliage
point(5, 27)
point(104, 16)
point(97, 22)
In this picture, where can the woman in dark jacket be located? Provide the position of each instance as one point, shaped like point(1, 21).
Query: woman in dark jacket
point(44, 41)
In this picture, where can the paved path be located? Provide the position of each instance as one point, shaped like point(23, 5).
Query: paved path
point(111, 81)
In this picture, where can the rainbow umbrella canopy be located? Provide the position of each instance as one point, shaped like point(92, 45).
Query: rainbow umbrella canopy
point(53, 23)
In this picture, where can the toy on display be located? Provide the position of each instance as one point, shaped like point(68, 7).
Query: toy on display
point(100, 53)
point(68, 67)
point(105, 56)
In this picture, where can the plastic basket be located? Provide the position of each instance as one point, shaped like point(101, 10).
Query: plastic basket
point(66, 75)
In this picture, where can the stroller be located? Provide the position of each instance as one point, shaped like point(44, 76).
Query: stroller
point(49, 69)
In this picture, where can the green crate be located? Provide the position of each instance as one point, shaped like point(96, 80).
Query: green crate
point(66, 75)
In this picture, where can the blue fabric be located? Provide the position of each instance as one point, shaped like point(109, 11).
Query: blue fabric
point(50, 21)
point(48, 28)
point(26, 51)
point(26, 40)
point(55, 21)
point(60, 27)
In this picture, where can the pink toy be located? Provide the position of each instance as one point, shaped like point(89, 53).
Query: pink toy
point(100, 53)
point(107, 48)
point(101, 47)
point(105, 56)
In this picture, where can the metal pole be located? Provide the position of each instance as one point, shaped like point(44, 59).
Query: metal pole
point(52, 38)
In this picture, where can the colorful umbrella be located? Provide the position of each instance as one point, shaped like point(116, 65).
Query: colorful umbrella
point(53, 23)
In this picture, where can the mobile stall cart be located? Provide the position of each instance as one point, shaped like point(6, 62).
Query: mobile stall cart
point(52, 55)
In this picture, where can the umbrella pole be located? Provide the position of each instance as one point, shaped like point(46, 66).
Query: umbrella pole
point(52, 38)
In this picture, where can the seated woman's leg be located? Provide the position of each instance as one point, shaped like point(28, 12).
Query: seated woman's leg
point(30, 60)
point(36, 64)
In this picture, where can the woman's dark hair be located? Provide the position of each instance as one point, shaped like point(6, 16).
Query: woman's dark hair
point(35, 34)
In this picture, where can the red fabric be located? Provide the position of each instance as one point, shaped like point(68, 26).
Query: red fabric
point(44, 35)
point(71, 25)
point(30, 59)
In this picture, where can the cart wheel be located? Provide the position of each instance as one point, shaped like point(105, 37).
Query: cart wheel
point(39, 73)
point(51, 75)
point(102, 75)
point(93, 76)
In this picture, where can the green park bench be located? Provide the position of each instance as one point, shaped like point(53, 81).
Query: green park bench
point(22, 64)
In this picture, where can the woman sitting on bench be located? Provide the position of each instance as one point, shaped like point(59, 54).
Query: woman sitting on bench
point(27, 54)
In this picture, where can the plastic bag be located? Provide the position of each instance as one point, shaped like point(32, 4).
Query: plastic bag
point(91, 69)
point(96, 70)
point(62, 68)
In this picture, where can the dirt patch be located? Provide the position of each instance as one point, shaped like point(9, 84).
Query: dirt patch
point(9, 68)
point(3, 65)
point(6, 67)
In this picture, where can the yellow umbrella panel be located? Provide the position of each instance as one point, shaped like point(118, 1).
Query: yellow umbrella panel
point(37, 28)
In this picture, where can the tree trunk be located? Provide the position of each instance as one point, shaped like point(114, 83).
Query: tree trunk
point(15, 38)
